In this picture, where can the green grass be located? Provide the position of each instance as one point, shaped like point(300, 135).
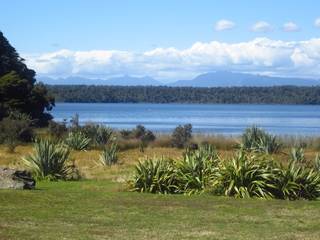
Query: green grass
point(103, 209)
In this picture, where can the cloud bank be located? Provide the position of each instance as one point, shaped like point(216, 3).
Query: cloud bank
point(260, 55)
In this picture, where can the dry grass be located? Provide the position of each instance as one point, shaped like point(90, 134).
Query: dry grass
point(87, 161)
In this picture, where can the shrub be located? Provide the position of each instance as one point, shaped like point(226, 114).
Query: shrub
point(148, 136)
point(57, 130)
point(181, 136)
point(295, 182)
point(162, 141)
point(196, 171)
point(138, 132)
point(49, 160)
point(256, 139)
point(109, 155)
point(15, 130)
point(77, 141)
point(99, 134)
point(125, 133)
point(244, 176)
point(297, 154)
point(126, 144)
point(154, 176)
point(317, 163)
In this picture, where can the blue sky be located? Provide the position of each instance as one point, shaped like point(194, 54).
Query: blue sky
point(122, 32)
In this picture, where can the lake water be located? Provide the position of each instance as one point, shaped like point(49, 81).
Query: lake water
point(228, 119)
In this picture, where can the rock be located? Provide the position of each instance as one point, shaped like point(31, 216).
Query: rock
point(15, 179)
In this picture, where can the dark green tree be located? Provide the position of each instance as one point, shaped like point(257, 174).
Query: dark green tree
point(18, 88)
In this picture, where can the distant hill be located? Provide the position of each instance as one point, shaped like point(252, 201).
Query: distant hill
point(230, 79)
point(119, 81)
point(214, 79)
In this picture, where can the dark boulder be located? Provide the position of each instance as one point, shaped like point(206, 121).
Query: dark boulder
point(16, 179)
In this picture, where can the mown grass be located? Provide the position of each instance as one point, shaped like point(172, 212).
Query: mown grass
point(102, 210)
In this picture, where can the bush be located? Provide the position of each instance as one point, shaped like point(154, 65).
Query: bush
point(244, 176)
point(317, 163)
point(57, 130)
point(126, 144)
point(295, 182)
point(109, 155)
point(49, 161)
point(14, 131)
point(154, 176)
point(138, 132)
point(99, 134)
point(125, 133)
point(181, 136)
point(256, 139)
point(196, 171)
point(297, 154)
point(77, 141)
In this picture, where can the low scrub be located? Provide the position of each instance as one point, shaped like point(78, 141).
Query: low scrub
point(50, 161)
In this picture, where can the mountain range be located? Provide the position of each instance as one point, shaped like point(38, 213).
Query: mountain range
point(212, 79)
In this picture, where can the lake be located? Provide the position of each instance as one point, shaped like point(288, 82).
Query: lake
point(228, 119)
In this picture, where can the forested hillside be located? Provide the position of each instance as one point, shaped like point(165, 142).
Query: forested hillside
point(120, 94)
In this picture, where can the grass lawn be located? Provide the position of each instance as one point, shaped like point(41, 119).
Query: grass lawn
point(101, 208)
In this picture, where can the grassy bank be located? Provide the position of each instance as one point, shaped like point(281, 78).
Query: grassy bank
point(101, 207)
point(102, 210)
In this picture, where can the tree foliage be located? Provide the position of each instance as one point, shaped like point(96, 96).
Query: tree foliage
point(18, 88)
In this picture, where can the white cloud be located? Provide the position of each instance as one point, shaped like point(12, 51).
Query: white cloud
point(262, 26)
point(317, 22)
point(260, 55)
point(224, 24)
point(290, 27)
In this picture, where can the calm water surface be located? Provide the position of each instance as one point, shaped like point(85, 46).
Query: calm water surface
point(226, 119)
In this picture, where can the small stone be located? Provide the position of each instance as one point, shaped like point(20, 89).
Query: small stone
point(16, 179)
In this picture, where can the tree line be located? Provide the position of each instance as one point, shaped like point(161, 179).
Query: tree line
point(163, 94)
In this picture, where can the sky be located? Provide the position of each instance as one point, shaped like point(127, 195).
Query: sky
point(167, 40)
